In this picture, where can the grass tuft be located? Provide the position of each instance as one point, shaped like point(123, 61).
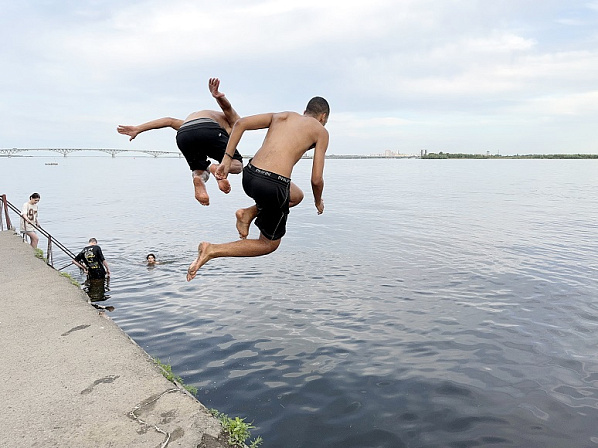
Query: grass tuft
point(39, 254)
point(170, 376)
point(237, 429)
point(72, 280)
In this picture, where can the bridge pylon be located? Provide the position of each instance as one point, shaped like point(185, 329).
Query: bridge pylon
point(112, 152)
point(156, 153)
point(63, 151)
point(10, 152)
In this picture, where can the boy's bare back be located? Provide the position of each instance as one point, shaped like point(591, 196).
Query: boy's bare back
point(218, 117)
point(289, 136)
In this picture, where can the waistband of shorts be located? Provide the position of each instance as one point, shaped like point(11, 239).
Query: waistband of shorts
point(201, 122)
point(268, 174)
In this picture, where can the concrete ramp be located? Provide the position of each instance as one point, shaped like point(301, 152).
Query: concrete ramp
point(70, 377)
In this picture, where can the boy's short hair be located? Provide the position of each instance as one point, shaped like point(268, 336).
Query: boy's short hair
point(318, 105)
point(93, 240)
point(150, 255)
point(34, 196)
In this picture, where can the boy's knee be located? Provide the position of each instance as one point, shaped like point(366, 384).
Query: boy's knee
point(274, 245)
point(271, 245)
point(236, 167)
point(296, 198)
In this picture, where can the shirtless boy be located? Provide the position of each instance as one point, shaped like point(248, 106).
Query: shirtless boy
point(201, 135)
point(266, 178)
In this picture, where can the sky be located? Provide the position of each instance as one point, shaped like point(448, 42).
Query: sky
point(469, 76)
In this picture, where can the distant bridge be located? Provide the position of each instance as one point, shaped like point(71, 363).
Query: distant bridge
point(65, 151)
point(114, 152)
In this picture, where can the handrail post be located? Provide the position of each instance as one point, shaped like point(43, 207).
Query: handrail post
point(49, 258)
point(5, 208)
point(1, 208)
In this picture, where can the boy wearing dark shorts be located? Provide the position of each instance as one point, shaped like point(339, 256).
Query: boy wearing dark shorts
point(202, 135)
point(202, 138)
point(271, 193)
point(267, 179)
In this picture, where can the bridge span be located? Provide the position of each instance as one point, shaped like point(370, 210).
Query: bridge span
point(66, 151)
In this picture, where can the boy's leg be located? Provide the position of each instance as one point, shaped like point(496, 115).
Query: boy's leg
point(244, 218)
point(235, 168)
point(200, 177)
point(246, 215)
point(34, 239)
point(223, 184)
point(296, 195)
point(242, 248)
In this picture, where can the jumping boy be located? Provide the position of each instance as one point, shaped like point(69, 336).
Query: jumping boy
point(267, 178)
point(202, 135)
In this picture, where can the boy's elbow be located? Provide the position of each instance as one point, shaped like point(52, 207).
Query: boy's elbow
point(317, 181)
point(242, 122)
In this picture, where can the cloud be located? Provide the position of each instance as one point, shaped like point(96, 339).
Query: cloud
point(576, 104)
point(393, 70)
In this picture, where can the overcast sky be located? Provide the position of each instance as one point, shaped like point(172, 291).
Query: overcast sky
point(512, 76)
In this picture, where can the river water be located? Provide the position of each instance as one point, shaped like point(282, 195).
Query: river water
point(435, 303)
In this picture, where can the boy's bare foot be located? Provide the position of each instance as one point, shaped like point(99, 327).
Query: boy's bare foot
point(202, 258)
point(223, 184)
point(201, 194)
point(244, 219)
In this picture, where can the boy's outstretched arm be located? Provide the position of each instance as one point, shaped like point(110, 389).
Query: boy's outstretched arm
point(250, 123)
point(134, 131)
point(231, 114)
point(317, 171)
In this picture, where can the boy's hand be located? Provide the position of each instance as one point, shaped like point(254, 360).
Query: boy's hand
point(213, 85)
point(320, 207)
point(222, 170)
point(131, 131)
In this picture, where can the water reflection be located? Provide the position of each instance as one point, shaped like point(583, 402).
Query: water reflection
point(96, 290)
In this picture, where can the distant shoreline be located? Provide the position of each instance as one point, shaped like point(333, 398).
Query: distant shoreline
point(518, 156)
point(430, 156)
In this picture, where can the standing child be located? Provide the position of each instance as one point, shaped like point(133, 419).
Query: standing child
point(29, 211)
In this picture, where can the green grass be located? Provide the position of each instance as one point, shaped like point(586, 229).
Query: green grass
point(73, 281)
point(39, 254)
point(237, 429)
point(170, 376)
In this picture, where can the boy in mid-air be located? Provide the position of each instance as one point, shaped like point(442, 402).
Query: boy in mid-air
point(267, 178)
point(202, 135)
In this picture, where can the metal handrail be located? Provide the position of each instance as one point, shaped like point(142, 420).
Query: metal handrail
point(49, 256)
point(5, 209)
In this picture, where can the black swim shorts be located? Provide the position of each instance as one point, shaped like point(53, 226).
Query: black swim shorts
point(271, 193)
point(96, 273)
point(202, 138)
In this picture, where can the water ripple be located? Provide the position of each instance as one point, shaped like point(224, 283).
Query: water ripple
point(438, 304)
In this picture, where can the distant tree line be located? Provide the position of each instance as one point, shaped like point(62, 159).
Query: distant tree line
point(446, 155)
